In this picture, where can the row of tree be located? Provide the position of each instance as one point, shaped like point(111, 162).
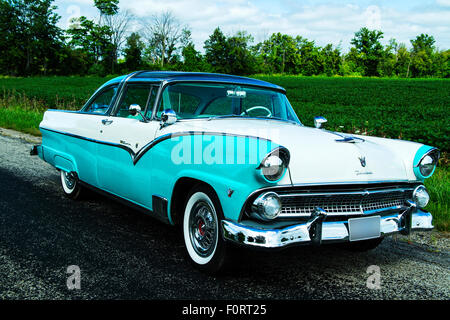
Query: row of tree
point(31, 43)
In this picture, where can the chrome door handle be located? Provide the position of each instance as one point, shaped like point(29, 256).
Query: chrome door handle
point(106, 122)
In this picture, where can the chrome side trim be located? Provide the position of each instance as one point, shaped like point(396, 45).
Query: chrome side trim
point(136, 156)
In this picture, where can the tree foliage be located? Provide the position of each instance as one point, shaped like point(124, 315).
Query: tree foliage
point(163, 35)
point(133, 52)
point(94, 41)
point(107, 7)
point(370, 51)
point(32, 43)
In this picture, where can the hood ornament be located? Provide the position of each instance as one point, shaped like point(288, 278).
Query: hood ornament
point(350, 139)
point(363, 161)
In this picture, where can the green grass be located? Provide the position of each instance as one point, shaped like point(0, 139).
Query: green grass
point(439, 187)
point(21, 119)
point(409, 109)
point(21, 113)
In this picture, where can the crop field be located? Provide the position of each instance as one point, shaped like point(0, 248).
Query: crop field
point(416, 109)
point(408, 109)
point(51, 92)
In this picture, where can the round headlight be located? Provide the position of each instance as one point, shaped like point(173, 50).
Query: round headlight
point(275, 164)
point(421, 196)
point(272, 168)
point(267, 206)
point(426, 166)
point(428, 163)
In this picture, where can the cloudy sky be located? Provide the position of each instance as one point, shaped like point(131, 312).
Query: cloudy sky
point(325, 21)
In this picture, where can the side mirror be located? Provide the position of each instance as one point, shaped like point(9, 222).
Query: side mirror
point(319, 121)
point(168, 117)
point(134, 109)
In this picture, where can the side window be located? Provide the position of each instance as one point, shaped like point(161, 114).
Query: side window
point(102, 101)
point(139, 94)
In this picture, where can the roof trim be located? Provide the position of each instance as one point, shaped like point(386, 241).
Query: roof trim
point(175, 76)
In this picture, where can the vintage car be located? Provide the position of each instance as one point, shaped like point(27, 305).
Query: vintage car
point(227, 159)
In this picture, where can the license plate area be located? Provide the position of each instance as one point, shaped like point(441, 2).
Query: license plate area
point(364, 228)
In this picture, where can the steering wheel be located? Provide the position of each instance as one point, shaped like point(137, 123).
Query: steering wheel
point(269, 113)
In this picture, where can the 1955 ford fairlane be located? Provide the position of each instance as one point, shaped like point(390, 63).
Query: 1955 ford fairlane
point(228, 160)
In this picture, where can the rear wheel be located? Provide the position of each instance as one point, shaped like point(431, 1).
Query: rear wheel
point(201, 230)
point(70, 185)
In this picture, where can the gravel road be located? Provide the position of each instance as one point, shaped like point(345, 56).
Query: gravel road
point(125, 254)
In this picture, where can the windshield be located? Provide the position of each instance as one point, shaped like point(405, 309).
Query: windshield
point(207, 100)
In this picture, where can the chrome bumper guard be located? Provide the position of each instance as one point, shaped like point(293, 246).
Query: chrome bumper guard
point(317, 230)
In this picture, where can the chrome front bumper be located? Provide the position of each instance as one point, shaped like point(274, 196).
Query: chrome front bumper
point(318, 230)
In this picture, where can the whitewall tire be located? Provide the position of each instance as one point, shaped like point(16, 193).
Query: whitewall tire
point(70, 185)
point(202, 230)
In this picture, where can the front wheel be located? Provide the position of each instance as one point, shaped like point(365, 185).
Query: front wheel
point(70, 185)
point(201, 230)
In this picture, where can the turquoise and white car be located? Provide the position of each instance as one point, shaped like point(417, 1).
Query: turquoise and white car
point(227, 158)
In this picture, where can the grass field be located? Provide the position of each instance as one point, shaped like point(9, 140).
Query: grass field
point(409, 109)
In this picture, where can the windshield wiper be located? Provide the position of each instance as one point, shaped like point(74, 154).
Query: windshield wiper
point(225, 116)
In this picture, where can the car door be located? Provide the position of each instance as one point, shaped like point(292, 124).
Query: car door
point(84, 124)
point(124, 135)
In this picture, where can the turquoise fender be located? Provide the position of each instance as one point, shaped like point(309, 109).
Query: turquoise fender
point(56, 153)
point(69, 153)
point(227, 163)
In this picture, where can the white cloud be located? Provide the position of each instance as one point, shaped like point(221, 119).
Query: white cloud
point(444, 3)
point(325, 23)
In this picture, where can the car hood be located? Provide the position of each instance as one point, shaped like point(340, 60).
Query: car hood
point(316, 155)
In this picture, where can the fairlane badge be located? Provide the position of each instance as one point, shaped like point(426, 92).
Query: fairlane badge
point(363, 172)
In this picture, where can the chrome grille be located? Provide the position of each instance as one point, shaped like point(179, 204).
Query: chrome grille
point(343, 203)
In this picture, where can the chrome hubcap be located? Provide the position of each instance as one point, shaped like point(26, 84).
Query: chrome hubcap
point(69, 180)
point(203, 228)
